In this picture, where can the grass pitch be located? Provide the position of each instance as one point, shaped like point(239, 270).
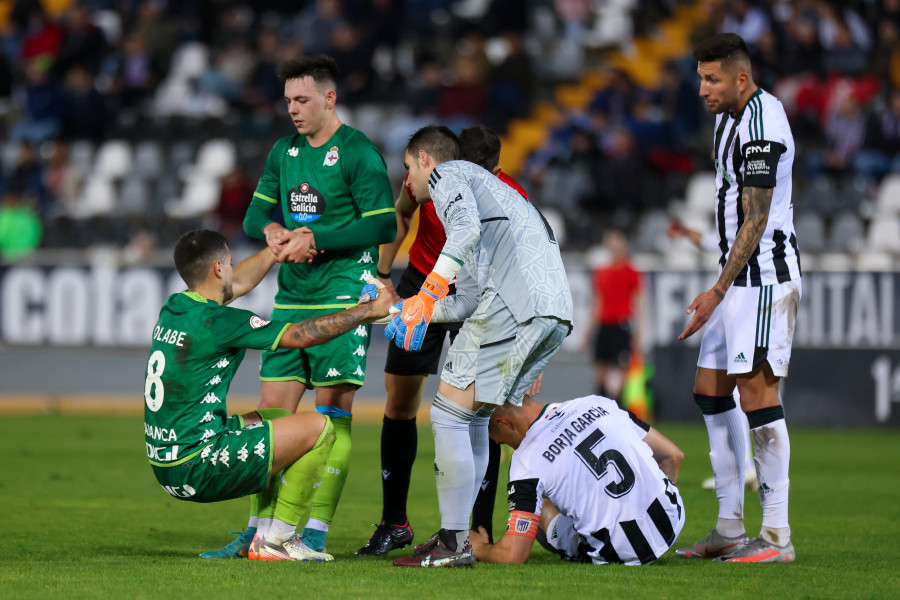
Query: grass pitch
point(83, 517)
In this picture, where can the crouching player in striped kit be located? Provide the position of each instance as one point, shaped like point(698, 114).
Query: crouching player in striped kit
point(752, 308)
point(589, 480)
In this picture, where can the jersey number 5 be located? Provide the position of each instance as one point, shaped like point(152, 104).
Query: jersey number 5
point(599, 465)
point(155, 367)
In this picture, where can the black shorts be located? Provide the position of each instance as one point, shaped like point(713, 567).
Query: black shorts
point(612, 344)
point(426, 360)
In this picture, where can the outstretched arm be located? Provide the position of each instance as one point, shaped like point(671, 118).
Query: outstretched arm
point(666, 454)
point(509, 549)
point(250, 271)
point(756, 202)
point(319, 330)
point(405, 208)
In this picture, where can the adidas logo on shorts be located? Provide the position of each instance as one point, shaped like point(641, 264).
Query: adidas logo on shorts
point(449, 367)
point(740, 358)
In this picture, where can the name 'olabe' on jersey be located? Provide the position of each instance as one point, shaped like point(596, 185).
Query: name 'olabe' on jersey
point(755, 148)
point(197, 347)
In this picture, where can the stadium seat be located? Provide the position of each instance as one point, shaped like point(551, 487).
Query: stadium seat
point(699, 196)
point(148, 159)
point(189, 61)
point(133, 197)
point(681, 255)
point(9, 156)
point(215, 159)
point(114, 159)
point(651, 232)
point(97, 199)
point(820, 195)
point(81, 155)
point(888, 200)
point(810, 229)
point(847, 234)
point(199, 197)
point(884, 234)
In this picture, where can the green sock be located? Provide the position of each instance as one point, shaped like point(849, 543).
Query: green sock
point(327, 496)
point(300, 479)
point(262, 503)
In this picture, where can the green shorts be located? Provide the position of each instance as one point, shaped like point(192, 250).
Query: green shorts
point(234, 463)
point(342, 360)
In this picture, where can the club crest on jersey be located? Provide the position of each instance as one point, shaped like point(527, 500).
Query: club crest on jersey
point(305, 203)
point(256, 322)
point(332, 157)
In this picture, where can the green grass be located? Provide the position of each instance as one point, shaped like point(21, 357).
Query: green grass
point(83, 517)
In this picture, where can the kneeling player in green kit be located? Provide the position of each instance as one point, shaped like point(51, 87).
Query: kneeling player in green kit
point(197, 452)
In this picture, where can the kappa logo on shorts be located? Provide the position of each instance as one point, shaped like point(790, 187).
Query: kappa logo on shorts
point(332, 372)
point(360, 351)
point(740, 358)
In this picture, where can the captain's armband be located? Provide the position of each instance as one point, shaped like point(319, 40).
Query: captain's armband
point(523, 523)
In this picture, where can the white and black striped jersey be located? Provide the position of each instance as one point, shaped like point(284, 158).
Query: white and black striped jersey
point(755, 148)
point(504, 244)
point(588, 457)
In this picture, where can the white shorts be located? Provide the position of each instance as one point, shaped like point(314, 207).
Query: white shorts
point(752, 325)
point(502, 357)
point(562, 535)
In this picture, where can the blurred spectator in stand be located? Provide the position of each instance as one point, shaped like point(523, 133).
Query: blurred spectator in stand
point(620, 174)
point(265, 92)
point(20, 227)
point(679, 104)
point(84, 108)
point(615, 101)
point(156, 33)
point(881, 150)
point(569, 179)
point(745, 19)
point(844, 131)
point(42, 117)
point(84, 43)
point(463, 102)
point(354, 58)
point(884, 61)
point(768, 61)
point(424, 96)
point(512, 83)
point(27, 179)
point(315, 25)
point(805, 53)
point(236, 188)
point(618, 316)
point(136, 77)
point(844, 56)
point(61, 179)
point(42, 37)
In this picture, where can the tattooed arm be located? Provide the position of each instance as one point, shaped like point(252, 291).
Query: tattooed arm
point(319, 330)
point(756, 202)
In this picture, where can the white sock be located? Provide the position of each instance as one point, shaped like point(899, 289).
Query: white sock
point(253, 521)
point(748, 447)
point(262, 527)
point(454, 463)
point(317, 525)
point(280, 532)
point(773, 456)
point(478, 434)
point(730, 527)
point(726, 454)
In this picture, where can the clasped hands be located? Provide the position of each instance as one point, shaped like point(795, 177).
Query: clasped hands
point(291, 246)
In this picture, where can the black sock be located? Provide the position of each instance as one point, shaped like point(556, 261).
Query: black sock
point(399, 440)
point(483, 511)
point(453, 538)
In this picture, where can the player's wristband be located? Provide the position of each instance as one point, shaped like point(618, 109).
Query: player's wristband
point(382, 275)
point(434, 288)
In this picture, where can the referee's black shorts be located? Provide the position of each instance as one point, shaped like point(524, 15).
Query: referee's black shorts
point(426, 360)
point(612, 343)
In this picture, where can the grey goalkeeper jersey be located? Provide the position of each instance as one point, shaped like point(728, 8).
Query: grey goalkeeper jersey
point(504, 244)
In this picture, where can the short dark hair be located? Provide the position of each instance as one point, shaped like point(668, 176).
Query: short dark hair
point(480, 145)
point(437, 140)
point(196, 251)
point(725, 47)
point(323, 69)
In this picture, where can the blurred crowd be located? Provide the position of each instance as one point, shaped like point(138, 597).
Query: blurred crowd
point(167, 77)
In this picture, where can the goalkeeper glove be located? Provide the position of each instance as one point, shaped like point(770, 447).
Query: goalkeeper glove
point(407, 328)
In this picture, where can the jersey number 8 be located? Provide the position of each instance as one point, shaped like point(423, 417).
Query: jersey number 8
point(155, 367)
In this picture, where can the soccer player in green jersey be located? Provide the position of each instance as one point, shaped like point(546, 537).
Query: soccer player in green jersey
point(331, 185)
point(199, 453)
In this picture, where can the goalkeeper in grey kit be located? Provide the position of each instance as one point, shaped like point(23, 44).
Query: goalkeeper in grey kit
point(514, 298)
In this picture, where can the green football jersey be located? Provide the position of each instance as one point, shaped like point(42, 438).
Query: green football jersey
point(197, 347)
point(326, 189)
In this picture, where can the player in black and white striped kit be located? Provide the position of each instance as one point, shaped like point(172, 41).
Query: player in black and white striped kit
point(594, 480)
point(751, 311)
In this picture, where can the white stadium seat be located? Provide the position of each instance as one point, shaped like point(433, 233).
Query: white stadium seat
point(114, 159)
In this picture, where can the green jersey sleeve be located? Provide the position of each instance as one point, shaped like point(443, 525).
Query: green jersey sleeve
point(266, 198)
point(238, 328)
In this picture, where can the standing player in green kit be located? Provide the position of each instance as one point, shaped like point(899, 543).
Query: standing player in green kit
point(331, 184)
point(198, 453)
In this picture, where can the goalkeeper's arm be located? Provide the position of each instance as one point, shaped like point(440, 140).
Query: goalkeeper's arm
point(458, 306)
